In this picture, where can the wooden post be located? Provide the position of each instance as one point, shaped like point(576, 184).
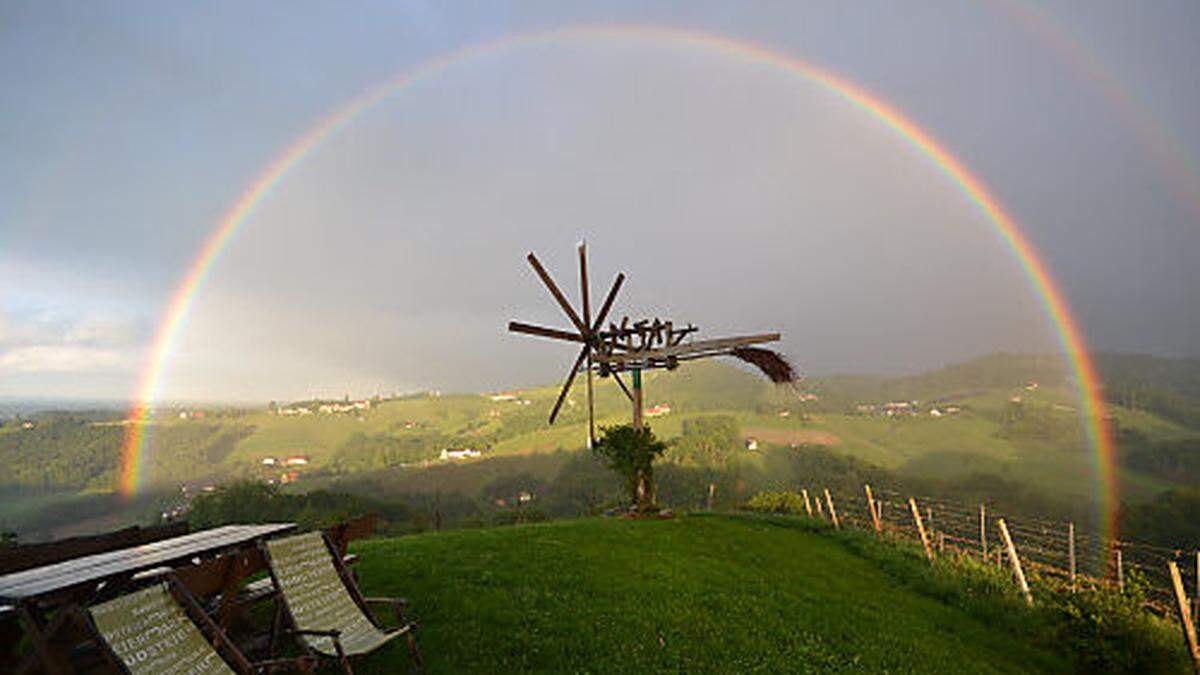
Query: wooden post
point(832, 511)
point(820, 509)
point(1016, 562)
point(941, 540)
point(871, 508)
point(1120, 571)
point(807, 504)
point(920, 528)
point(1185, 615)
point(983, 531)
point(638, 420)
point(1071, 552)
point(929, 521)
point(712, 493)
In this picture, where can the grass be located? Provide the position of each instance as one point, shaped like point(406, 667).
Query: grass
point(694, 594)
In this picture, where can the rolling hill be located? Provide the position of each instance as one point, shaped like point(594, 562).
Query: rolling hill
point(1007, 419)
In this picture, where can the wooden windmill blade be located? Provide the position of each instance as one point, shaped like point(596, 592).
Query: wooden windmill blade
point(558, 295)
point(562, 395)
point(542, 331)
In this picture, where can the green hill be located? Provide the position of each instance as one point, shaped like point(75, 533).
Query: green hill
point(697, 594)
point(1009, 421)
point(709, 593)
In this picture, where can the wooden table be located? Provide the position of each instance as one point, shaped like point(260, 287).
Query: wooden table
point(34, 591)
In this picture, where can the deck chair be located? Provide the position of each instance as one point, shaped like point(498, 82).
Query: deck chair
point(154, 631)
point(326, 611)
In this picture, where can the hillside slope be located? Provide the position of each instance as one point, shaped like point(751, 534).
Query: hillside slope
point(694, 594)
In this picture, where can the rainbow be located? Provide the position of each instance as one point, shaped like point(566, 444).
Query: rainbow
point(1162, 147)
point(1053, 303)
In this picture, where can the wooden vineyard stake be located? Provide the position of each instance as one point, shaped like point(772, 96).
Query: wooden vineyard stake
point(820, 509)
point(920, 528)
point(1185, 615)
point(983, 531)
point(712, 493)
point(832, 511)
point(1120, 572)
point(941, 540)
point(807, 503)
point(1016, 562)
point(1071, 552)
point(874, 512)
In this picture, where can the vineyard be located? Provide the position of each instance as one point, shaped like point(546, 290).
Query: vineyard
point(1042, 551)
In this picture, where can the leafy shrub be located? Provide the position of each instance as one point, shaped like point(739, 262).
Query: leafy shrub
point(777, 502)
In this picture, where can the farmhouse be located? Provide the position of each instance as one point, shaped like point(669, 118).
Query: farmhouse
point(296, 460)
point(658, 410)
point(458, 453)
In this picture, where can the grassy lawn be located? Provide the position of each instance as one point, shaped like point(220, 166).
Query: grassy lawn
point(699, 593)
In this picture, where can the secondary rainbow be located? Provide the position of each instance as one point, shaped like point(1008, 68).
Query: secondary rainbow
point(1053, 303)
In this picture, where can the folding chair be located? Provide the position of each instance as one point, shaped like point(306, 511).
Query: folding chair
point(161, 629)
point(323, 604)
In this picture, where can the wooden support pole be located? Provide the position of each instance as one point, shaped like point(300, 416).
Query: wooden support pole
point(1071, 552)
point(832, 511)
point(638, 420)
point(1185, 615)
point(941, 540)
point(807, 503)
point(1120, 571)
point(920, 528)
point(712, 495)
point(871, 508)
point(820, 509)
point(1015, 561)
point(983, 531)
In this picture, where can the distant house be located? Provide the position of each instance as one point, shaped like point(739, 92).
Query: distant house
point(751, 443)
point(289, 477)
point(658, 410)
point(504, 396)
point(296, 460)
point(268, 461)
point(1031, 385)
point(785, 413)
point(459, 453)
point(935, 413)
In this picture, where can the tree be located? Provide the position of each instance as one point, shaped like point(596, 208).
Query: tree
point(631, 453)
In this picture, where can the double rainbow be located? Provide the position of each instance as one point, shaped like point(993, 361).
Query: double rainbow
point(1053, 303)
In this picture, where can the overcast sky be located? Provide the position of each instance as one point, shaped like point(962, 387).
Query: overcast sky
point(736, 196)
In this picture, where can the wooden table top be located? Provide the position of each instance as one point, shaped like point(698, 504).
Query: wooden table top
point(47, 579)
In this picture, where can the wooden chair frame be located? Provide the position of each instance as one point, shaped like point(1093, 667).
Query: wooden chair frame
point(55, 662)
point(283, 613)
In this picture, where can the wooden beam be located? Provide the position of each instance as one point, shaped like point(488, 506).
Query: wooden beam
point(643, 356)
point(562, 396)
point(608, 302)
point(912, 504)
point(1185, 618)
point(621, 384)
point(1015, 561)
point(558, 294)
point(542, 331)
point(871, 508)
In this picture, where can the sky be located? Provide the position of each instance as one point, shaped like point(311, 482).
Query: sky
point(736, 196)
